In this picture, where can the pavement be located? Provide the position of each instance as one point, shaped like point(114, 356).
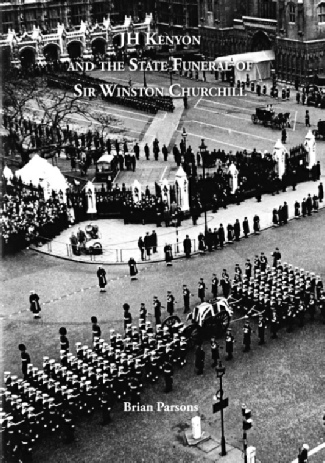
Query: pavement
point(119, 241)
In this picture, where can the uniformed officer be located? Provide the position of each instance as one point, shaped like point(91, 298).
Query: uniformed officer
point(96, 331)
point(142, 314)
point(248, 269)
point(186, 297)
point(229, 344)
point(25, 360)
point(274, 324)
point(261, 329)
point(170, 303)
point(201, 290)
point(127, 316)
point(215, 354)
point(301, 314)
point(68, 428)
point(214, 288)
point(263, 262)
point(303, 454)
point(312, 307)
point(321, 305)
point(34, 304)
point(183, 350)
point(64, 342)
point(290, 316)
point(157, 310)
point(101, 275)
point(168, 375)
point(247, 332)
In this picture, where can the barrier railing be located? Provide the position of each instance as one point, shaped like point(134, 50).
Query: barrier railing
point(110, 255)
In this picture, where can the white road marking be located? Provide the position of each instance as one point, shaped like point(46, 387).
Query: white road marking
point(230, 105)
point(223, 114)
point(198, 102)
point(162, 175)
point(312, 451)
point(213, 139)
point(227, 129)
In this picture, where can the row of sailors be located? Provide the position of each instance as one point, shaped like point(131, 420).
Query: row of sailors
point(286, 293)
point(50, 398)
point(283, 277)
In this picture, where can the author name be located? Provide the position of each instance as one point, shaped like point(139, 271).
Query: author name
point(159, 407)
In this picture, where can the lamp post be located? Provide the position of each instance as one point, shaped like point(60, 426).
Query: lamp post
point(203, 72)
point(221, 370)
point(170, 68)
point(203, 149)
point(144, 73)
point(184, 135)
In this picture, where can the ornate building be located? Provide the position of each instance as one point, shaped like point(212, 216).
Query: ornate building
point(294, 29)
point(64, 42)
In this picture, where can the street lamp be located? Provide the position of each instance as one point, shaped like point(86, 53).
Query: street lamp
point(170, 68)
point(203, 149)
point(184, 135)
point(144, 60)
point(176, 214)
point(221, 370)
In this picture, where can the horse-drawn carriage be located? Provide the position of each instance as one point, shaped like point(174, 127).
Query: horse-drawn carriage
point(267, 117)
point(207, 319)
point(320, 131)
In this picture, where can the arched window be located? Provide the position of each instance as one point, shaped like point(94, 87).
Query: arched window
point(321, 12)
point(292, 13)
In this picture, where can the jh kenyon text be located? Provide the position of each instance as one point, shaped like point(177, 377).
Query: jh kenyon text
point(171, 65)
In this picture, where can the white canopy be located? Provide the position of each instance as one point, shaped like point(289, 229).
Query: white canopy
point(7, 173)
point(40, 172)
point(261, 64)
point(106, 158)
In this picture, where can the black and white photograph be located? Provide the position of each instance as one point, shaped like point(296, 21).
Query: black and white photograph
point(162, 231)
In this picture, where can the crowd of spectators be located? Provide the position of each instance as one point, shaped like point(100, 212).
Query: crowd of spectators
point(26, 217)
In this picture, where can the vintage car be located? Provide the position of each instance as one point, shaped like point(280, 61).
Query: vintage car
point(208, 319)
point(106, 167)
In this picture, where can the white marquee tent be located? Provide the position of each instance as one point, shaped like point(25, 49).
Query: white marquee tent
point(260, 68)
point(40, 172)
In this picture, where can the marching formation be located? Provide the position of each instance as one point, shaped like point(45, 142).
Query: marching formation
point(48, 400)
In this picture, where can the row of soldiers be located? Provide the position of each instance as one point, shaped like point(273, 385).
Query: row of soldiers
point(48, 401)
point(280, 294)
point(65, 135)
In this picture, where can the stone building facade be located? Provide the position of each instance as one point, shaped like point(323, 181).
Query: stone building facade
point(294, 29)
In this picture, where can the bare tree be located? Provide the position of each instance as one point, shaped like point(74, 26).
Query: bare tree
point(24, 97)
